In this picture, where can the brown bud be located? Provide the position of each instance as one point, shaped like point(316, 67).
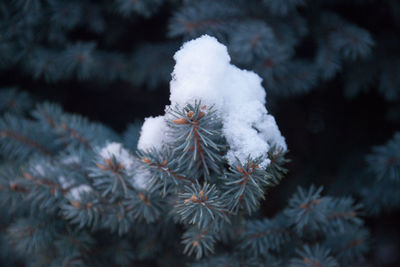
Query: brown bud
point(201, 115)
point(253, 166)
point(102, 167)
point(354, 243)
point(27, 176)
point(276, 153)
point(109, 163)
point(202, 196)
point(13, 186)
point(240, 169)
point(164, 163)
point(144, 199)
point(180, 121)
point(204, 107)
point(190, 114)
point(16, 187)
point(307, 205)
point(392, 160)
point(193, 199)
point(76, 204)
point(146, 160)
point(195, 243)
point(352, 214)
point(141, 196)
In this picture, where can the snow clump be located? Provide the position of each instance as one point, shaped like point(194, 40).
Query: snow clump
point(123, 157)
point(203, 72)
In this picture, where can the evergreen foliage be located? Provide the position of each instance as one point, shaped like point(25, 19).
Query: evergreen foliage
point(384, 177)
point(66, 195)
point(65, 202)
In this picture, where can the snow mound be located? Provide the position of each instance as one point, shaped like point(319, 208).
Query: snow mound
point(203, 72)
point(141, 179)
point(153, 134)
point(121, 154)
point(76, 192)
point(123, 157)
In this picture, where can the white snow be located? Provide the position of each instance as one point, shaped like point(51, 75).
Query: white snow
point(65, 182)
point(203, 72)
point(40, 170)
point(140, 177)
point(76, 192)
point(70, 159)
point(119, 153)
point(153, 134)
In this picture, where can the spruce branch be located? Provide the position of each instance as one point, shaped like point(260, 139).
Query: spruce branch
point(70, 129)
point(201, 205)
point(315, 256)
point(350, 245)
point(261, 236)
point(24, 140)
point(276, 167)
point(196, 131)
point(21, 138)
point(111, 178)
point(163, 171)
point(244, 186)
point(199, 241)
point(307, 208)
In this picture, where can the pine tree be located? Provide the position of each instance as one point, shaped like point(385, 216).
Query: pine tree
point(74, 192)
point(74, 195)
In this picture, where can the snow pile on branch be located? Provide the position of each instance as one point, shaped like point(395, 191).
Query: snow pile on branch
point(155, 136)
point(203, 72)
point(123, 157)
point(120, 154)
point(76, 192)
point(65, 182)
point(141, 179)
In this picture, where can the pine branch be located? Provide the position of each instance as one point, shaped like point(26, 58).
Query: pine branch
point(25, 140)
point(198, 150)
point(244, 186)
point(201, 205)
